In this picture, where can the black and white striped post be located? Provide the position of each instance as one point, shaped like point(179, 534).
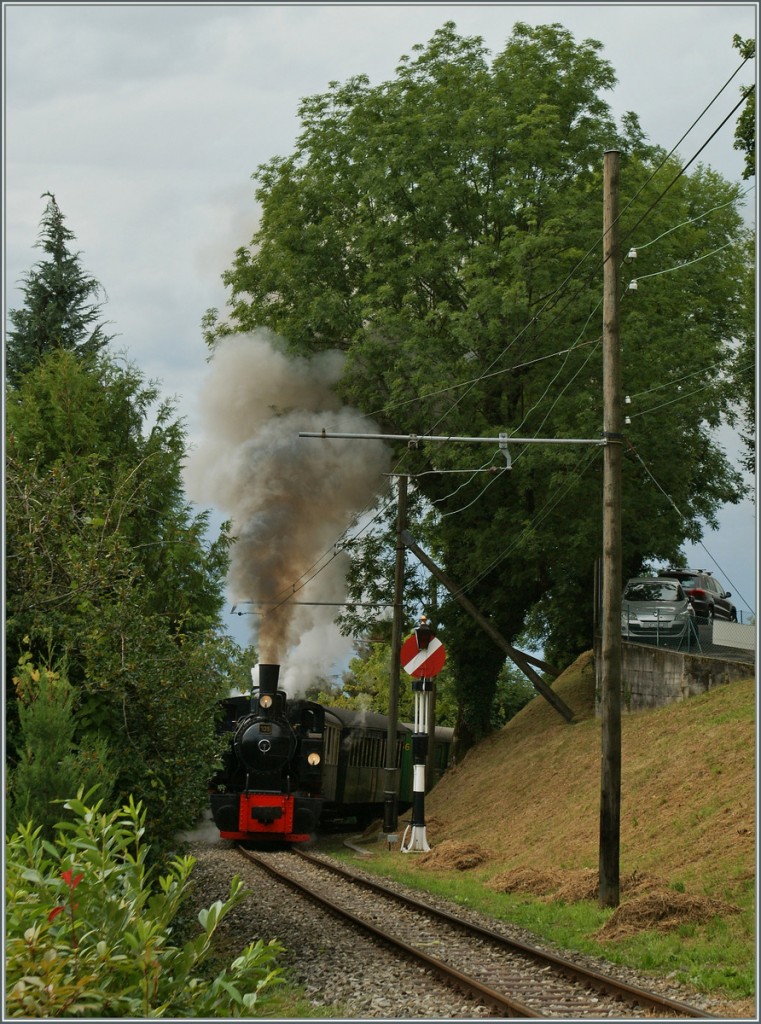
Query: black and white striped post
point(422, 657)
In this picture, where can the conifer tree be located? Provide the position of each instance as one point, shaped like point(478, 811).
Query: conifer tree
point(60, 308)
point(52, 766)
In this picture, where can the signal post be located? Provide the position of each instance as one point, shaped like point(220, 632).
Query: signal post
point(422, 657)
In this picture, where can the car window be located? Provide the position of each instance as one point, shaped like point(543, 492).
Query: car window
point(654, 590)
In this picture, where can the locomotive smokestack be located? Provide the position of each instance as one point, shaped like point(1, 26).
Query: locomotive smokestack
point(265, 678)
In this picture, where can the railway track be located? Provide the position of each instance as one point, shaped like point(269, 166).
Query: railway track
point(507, 976)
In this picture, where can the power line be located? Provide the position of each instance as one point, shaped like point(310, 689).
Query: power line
point(537, 520)
point(474, 381)
point(681, 266)
point(572, 273)
point(683, 170)
point(681, 515)
point(694, 220)
point(686, 376)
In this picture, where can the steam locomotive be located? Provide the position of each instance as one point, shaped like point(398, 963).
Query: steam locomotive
point(291, 765)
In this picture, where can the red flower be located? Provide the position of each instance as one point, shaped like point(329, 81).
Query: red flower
point(66, 876)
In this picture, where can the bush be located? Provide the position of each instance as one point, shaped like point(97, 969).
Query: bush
point(51, 765)
point(89, 933)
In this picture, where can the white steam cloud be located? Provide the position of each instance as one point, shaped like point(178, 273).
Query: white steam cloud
point(289, 498)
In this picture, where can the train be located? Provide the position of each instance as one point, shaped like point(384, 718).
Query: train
point(293, 766)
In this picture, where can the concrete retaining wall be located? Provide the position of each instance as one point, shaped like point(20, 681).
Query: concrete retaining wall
point(654, 676)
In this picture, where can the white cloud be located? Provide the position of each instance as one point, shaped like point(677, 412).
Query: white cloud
point(147, 122)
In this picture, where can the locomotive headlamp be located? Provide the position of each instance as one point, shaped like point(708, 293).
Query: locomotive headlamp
point(265, 701)
point(314, 759)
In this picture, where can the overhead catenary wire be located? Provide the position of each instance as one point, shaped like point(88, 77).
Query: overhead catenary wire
point(681, 397)
point(538, 519)
point(474, 381)
point(486, 467)
point(594, 248)
point(456, 511)
point(682, 516)
point(426, 437)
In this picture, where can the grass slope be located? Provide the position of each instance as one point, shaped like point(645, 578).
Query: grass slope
point(531, 792)
point(514, 830)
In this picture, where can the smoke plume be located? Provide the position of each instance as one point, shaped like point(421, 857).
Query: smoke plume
point(289, 498)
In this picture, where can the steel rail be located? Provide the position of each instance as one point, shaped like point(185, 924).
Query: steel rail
point(584, 975)
point(450, 975)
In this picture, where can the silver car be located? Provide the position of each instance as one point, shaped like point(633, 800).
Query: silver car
point(655, 610)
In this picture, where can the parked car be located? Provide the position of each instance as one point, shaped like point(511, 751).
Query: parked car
point(709, 599)
point(655, 609)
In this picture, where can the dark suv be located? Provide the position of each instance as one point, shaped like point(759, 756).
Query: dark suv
point(708, 597)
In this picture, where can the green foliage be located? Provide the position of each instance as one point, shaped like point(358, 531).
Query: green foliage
point(109, 567)
point(58, 312)
point(514, 691)
point(745, 131)
point(440, 229)
point(50, 768)
point(89, 931)
point(368, 680)
point(745, 371)
point(366, 687)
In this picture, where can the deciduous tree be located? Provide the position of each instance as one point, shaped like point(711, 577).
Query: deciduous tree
point(443, 230)
point(745, 132)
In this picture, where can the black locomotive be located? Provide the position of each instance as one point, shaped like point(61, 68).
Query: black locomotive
point(271, 778)
point(291, 764)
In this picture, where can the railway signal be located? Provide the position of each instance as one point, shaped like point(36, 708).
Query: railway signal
point(422, 657)
point(423, 660)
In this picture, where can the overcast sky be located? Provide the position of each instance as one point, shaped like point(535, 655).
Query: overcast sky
point(147, 122)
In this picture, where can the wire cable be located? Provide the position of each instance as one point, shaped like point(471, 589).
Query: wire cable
point(572, 273)
point(676, 178)
point(538, 519)
point(681, 515)
point(681, 266)
point(694, 220)
point(470, 385)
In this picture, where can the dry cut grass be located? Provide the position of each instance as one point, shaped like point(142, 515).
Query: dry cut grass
point(523, 806)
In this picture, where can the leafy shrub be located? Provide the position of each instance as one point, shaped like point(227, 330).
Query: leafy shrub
point(89, 931)
point(51, 765)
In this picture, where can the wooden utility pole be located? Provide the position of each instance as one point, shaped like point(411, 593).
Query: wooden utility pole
point(610, 783)
point(391, 777)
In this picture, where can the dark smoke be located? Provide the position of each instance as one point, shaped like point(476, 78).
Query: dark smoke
point(289, 498)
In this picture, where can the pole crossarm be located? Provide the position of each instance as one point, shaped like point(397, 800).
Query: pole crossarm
point(415, 439)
